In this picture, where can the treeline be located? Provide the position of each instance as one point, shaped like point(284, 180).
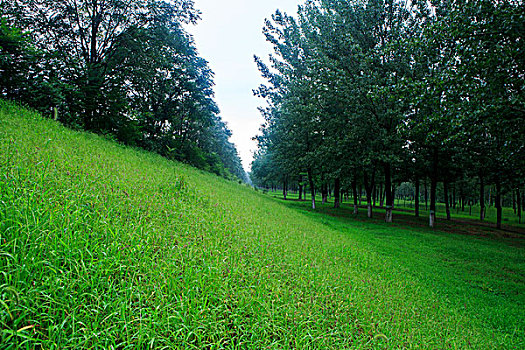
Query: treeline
point(376, 93)
point(123, 68)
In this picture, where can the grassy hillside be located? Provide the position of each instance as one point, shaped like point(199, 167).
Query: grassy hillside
point(103, 246)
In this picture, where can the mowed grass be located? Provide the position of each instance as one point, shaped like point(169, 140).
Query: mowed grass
point(103, 246)
point(509, 217)
point(477, 269)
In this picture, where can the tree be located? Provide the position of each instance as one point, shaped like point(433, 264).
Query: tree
point(127, 68)
point(291, 131)
point(485, 69)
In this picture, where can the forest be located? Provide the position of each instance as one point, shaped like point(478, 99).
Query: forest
point(125, 69)
point(373, 95)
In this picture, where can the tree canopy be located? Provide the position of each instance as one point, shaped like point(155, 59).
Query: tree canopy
point(125, 68)
point(379, 92)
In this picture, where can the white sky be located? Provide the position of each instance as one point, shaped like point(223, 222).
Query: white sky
point(227, 36)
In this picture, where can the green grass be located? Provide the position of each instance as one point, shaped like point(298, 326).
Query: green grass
point(103, 246)
point(479, 271)
point(508, 215)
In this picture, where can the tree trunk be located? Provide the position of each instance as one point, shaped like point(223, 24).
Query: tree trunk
point(92, 88)
point(514, 201)
point(518, 203)
point(388, 193)
point(433, 188)
point(312, 188)
point(447, 200)
point(481, 198)
point(285, 189)
point(369, 188)
point(360, 193)
point(302, 188)
point(417, 197)
point(381, 195)
point(499, 210)
point(393, 196)
point(337, 195)
point(95, 20)
point(354, 189)
point(426, 195)
point(324, 193)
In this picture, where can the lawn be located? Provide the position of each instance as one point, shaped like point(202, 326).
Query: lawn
point(477, 269)
point(510, 218)
point(104, 246)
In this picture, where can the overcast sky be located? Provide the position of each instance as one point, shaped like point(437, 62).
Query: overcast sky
point(228, 35)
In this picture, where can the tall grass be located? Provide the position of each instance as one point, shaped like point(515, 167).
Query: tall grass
point(103, 246)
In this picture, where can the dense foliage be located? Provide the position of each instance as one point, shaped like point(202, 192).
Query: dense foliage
point(374, 93)
point(121, 68)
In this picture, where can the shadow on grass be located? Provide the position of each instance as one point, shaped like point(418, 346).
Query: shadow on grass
point(405, 218)
point(474, 267)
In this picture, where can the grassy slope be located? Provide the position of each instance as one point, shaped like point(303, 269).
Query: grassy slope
point(104, 246)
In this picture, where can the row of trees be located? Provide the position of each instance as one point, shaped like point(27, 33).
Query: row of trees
point(379, 92)
point(125, 68)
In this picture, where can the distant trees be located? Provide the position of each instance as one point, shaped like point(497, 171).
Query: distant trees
point(379, 92)
point(124, 68)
